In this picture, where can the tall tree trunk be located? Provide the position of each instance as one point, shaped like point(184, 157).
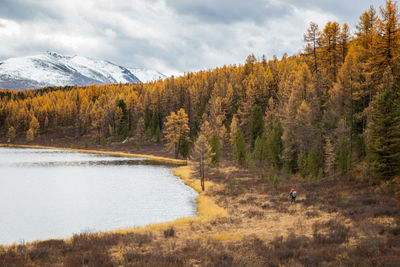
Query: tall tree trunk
point(178, 145)
point(202, 172)
point(351, 119)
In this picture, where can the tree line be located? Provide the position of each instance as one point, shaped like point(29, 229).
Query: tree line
point(319, 112)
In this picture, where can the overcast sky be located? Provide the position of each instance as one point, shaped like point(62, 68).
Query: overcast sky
point(172, 36)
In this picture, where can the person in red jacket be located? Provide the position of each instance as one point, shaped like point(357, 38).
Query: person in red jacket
point(293, 195)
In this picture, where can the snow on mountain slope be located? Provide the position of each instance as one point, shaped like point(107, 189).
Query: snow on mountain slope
point(52, 69)
point(146, 75)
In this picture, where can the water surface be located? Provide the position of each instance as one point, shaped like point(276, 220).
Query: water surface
point(53, 194)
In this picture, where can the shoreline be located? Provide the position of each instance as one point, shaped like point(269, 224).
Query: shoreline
point(180, 162)
point(206, 209)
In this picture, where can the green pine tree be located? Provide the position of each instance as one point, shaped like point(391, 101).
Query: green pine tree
point(239, 148)
point(215, 150)
point(256, 124)
point(274, 145)
point(384, 140)
point(260, 148)
point(344, 157)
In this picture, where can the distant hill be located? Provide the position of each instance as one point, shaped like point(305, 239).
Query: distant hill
point(53, 69)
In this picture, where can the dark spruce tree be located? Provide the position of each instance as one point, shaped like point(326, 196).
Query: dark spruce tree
point(256, 124)
point(384, 140)
point(215, 150)
point(239, 148)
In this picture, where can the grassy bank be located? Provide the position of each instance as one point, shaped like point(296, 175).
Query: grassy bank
point(112, 153)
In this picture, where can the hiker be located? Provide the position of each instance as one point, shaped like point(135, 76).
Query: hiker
point(293, 195)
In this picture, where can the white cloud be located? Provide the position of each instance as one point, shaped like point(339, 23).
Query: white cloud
point(172, 36)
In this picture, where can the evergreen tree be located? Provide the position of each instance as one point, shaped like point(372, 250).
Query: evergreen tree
point(215, 150)
point(344, 157)
point(256, 124)
point(123, 127)
point(311, 166)
point(239, 148)
point(260, 148)
point(139, 132)
point(384, 140)
point(184, 147)
point(274, 145)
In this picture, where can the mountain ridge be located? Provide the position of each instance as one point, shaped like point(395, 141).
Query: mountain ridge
point(53, 69)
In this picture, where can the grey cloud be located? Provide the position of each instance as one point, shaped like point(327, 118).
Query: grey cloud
point(26, 10)
point(347, 11)
point(228, 11)
point(172, 36)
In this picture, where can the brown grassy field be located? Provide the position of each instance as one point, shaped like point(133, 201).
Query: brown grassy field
point(243, 221)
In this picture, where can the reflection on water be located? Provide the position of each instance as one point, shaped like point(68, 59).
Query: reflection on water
point(50, 193)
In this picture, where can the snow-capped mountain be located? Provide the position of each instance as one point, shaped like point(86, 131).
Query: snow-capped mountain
point(146, 75)
point(52, 69)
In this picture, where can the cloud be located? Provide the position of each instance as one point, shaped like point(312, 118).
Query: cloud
point(345, 11)
point(227, 11)
point(172, 36)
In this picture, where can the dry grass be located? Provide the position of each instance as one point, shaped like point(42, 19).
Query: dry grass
point(243, 221)
point(206, 207)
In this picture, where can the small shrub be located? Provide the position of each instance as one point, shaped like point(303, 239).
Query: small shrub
point(39, 254)
point(337, 233)
point(312, 214)
point(137, 238)
point(98, 257)
point(170, 232)
point(255, 213)
point(276, 181)
point(265, 206)
point(103, 141)
point(133, 255)
point(72, 260)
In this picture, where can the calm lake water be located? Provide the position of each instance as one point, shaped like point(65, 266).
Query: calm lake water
point(53, 194)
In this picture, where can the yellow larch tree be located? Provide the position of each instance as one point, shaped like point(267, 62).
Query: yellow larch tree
point(176, 130)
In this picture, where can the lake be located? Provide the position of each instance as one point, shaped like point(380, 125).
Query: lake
point(48, 193)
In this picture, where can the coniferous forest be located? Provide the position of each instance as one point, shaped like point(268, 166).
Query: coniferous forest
point(327, 118)
point(320, 112)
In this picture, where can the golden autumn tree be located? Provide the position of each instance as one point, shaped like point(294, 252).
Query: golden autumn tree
point(34, 126)
point(312, 39)
point(233, 129)
point(11, 134)
point(330, 51)
point(199, 157)
point(30, 136)
point(387, 44)
point(344, 41)
point(342, 97)
point(140, 132)
point(98, 123)
point(200, 153)
point(176, 130)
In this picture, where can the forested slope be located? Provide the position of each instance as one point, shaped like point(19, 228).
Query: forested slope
point(320, 112)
